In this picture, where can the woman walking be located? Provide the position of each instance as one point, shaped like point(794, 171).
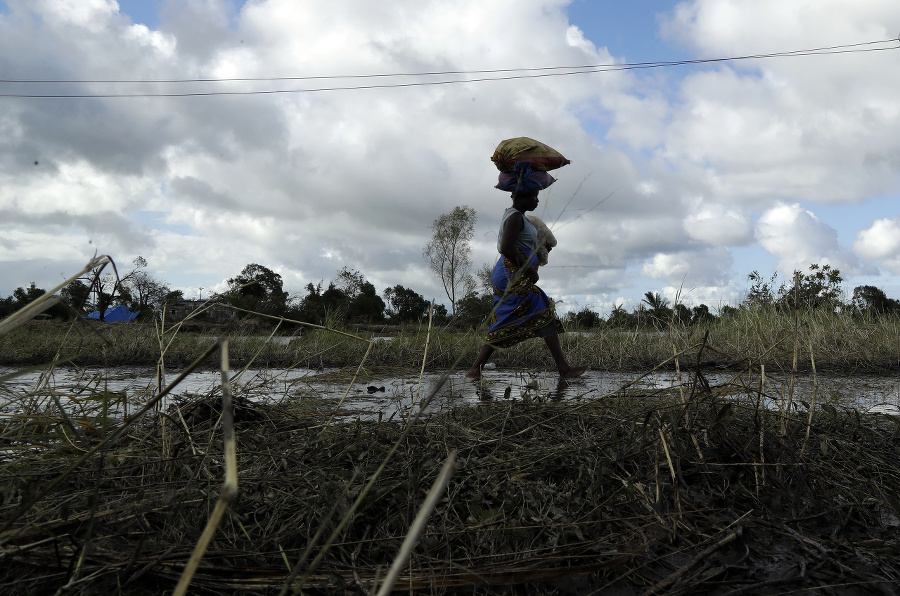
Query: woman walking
point(521, 309)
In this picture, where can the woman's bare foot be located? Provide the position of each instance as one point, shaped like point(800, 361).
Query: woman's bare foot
point(572, 372)
point(474, 373)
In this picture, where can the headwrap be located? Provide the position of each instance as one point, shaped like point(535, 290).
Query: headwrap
point(524, 179)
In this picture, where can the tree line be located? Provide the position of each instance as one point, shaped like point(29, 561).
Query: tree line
point(350, 298)
point(256, 289)
point(818, 289)
point(136, 288)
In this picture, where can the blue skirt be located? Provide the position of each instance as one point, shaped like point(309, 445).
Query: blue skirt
point(521, 309)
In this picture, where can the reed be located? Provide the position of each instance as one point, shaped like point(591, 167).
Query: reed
point(698, 489)
point(841, 343)
point(615, 491)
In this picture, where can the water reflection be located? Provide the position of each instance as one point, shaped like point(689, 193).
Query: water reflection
point(561, 391)
point(483, 390)
point(392, 394)
point(530, 392)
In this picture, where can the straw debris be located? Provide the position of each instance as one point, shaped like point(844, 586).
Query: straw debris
point(631, 494)
point(728, 489)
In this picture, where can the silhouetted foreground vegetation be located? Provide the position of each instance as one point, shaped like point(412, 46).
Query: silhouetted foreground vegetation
point(639, 493)
point(700, 489)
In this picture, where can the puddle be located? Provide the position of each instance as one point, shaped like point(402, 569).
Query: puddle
point(390, 394)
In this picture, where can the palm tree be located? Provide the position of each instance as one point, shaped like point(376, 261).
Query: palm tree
point(619, 317)
point(658, 306)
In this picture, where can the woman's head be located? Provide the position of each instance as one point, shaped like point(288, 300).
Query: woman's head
point(525, 200)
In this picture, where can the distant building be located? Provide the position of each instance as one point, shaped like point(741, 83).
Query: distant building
point(180, 309)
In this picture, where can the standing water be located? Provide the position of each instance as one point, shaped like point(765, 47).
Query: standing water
point(392, 394)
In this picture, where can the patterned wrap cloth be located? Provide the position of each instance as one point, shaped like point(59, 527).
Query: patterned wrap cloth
point(524, 178)
point(521, 309)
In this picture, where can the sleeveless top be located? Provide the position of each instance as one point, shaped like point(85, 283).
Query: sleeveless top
point(526, 240)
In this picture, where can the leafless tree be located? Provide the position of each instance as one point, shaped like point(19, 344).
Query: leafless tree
point(448, 252)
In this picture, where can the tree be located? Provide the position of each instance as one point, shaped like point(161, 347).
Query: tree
point(366, 305)
point(448, 252)
point(104, 289)
point(111, 289)
point(76, 294)
point(472, 309)
point(439, 314)
point(681, 314)
point(658, 308)
point(22, 297)
point(820, 288)
point(173, 296)
point(761, 293)
point(349, 297)
point(350, 281)
point(312, 307)
point(6, 307)
point(700, 315)
point(484, 274)
point(259, 289)
point(873, 301)
point(405, 304)
point(583, 319)
point(144, 292)
point(620, 318)
point(727, 312)
point(354, 297)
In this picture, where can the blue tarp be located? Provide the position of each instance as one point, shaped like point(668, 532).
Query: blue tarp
point(116, 314)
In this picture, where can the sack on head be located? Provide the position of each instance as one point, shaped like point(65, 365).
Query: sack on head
point(542, 157)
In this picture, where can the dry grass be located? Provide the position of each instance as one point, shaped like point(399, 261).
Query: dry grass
point(696, 490)
point(841, 344)
point(700, 493)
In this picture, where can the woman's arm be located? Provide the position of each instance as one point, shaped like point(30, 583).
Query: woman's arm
point(514, 225)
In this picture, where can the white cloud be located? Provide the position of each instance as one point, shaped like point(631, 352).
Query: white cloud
point(798, 238)
point(718, 225)
point(714, 297)
point(734, 26)
point(686, 269)
point(813, 128)
point(91, 15)
point(162, 44)
point(306, 183)
point(881, 242)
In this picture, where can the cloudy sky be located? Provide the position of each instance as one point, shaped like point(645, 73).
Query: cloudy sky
point(205, 135)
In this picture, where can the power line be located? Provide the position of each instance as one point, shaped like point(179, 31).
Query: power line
point(502, 75)
point(459, 72)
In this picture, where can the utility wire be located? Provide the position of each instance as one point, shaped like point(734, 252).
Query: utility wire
point(464, 72)
point(528, 73)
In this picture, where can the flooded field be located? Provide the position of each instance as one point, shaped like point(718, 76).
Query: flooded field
point(385, 394)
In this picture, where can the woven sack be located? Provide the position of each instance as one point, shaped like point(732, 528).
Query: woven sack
point(542, 157)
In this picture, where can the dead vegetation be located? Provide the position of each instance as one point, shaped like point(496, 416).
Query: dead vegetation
point(703, 491)
point(727, 489)
point(843, 344)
